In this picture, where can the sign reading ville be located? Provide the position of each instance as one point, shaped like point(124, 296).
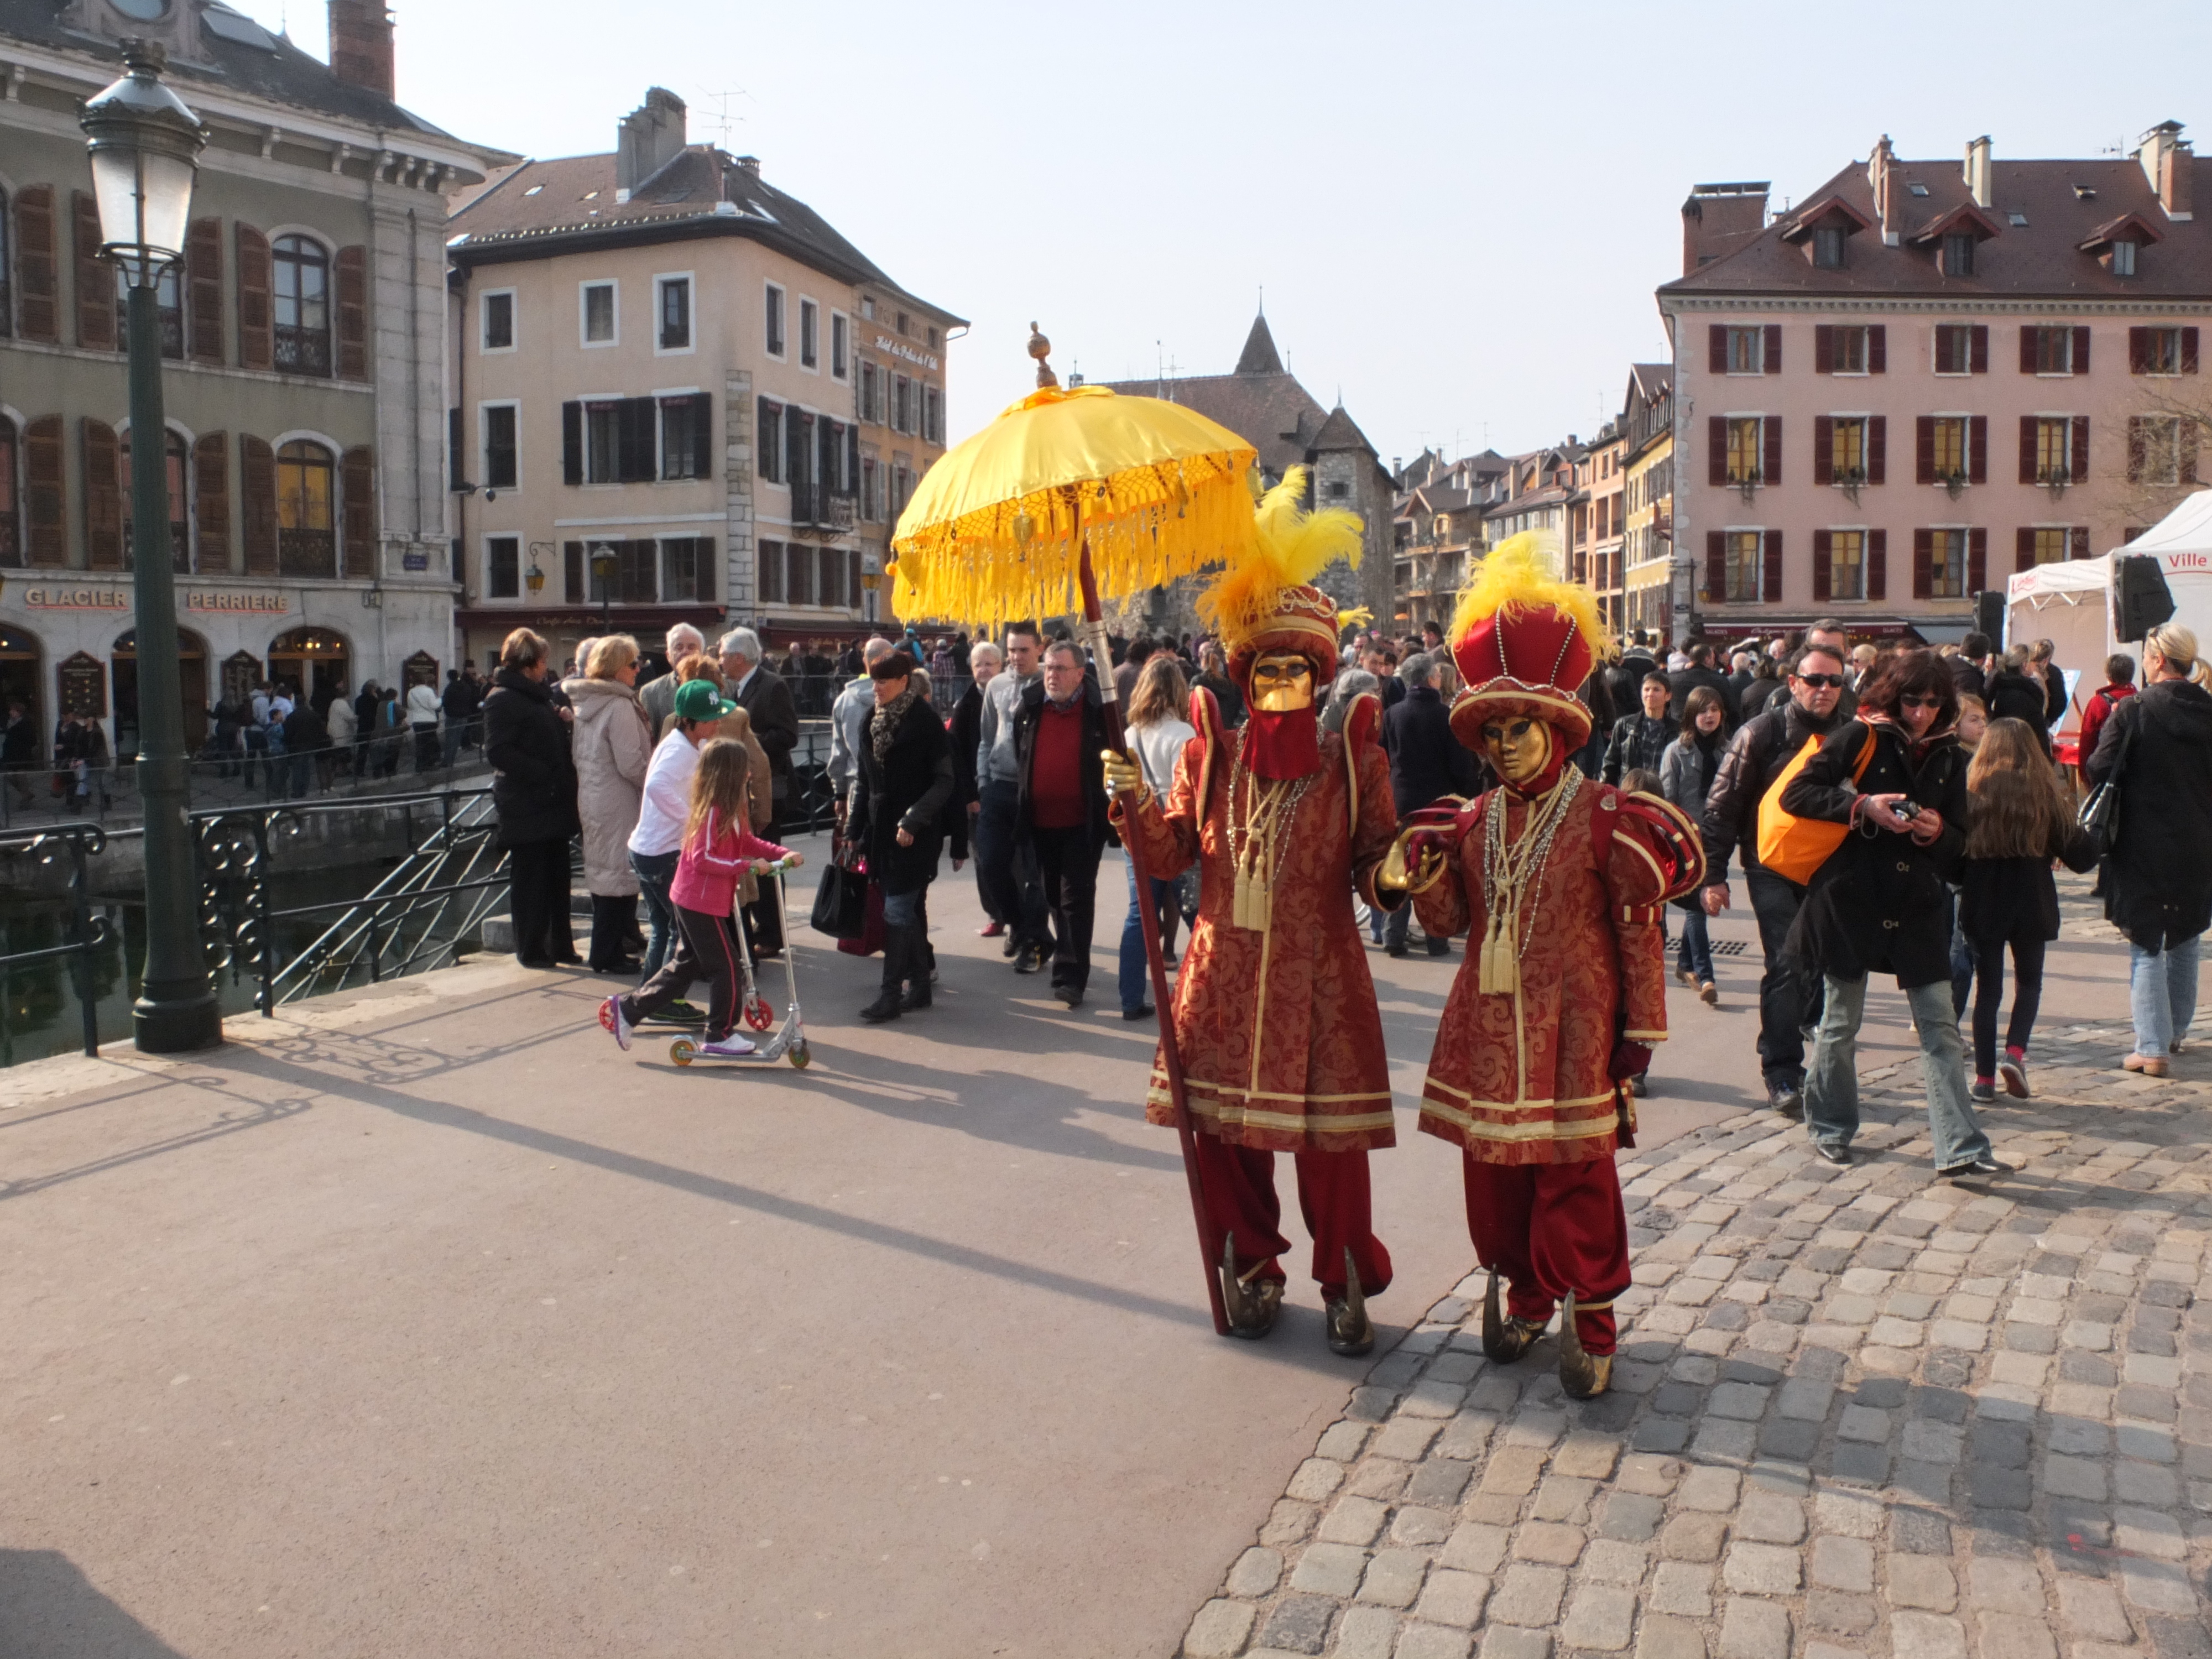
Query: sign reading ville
point(119, 599)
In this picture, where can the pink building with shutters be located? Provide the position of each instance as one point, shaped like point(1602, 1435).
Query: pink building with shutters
point(2024, 334)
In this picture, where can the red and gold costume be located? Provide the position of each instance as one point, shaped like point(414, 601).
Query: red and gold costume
point(1274, 1014)
point(1558, 884)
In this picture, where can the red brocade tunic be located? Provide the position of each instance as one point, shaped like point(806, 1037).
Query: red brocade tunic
point(1281, 1037)
point(1522, 1078)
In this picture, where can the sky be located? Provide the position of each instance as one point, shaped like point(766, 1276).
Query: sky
point(1457, 213)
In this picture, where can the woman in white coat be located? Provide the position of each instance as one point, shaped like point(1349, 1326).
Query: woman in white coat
point(612, 745)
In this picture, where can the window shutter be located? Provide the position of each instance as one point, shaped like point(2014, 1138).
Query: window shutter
point(1716, 566)
point(203, 281)
point(103, 496)
point(2023, 549)
point(1716, 450)
point(1925, 449)
point(2026, 348)
point(257, 499)
point(1877, 348)
point(211, 499)
point(1877, 564)
point(1716, 349)
point(2138, 352)
point(1769, 444)
point(1771, 578)
point(572, 442)
point(2135, 449)
point(2188, 352)
point(635, 425)
point(2081, 352)
point(1923, 563)
point(38, 302)
point(2027, 449)
point(257, 339)
point(95, 280)
point(1980, 364)
point(1824, 449)
point(1824, 348)
point(702, 435)
point(456, 464)
point(42, 474)
point(2077, 542)
point(1977, 449)
point(1978, 560)
point(1877, 449)
point(2080, 448)
point(1772, 354)
point(1821, 553)
point(572, 572)
point(357, 484)
point(350, 277)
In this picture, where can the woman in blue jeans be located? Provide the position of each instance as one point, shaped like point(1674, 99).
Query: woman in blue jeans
point(1158, 731)
point(1895, 777)
point(1686, 777)
point(2158, 886)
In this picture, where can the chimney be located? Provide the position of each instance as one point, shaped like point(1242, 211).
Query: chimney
point(361, 45)
point(1885, 201)
point(1718, 219)
point(1978, 170)
point(649, 138)
point(2167, 162)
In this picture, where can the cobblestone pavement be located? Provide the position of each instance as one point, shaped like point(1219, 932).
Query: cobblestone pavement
point(1857, 1413)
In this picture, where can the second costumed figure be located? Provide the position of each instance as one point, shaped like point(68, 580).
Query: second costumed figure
point(1557, 883)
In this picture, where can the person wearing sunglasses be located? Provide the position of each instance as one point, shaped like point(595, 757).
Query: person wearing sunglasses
point(1896, 777)
point(1789, 998)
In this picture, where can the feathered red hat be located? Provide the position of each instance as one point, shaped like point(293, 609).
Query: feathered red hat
point(1524, 642)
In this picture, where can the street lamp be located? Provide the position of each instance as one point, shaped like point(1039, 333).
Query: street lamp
point(145, 147)
point(606, 562)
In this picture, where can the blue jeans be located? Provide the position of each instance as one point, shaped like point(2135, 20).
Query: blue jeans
point(2162, 994)
point(656, 874)
point(1964, 960)
point(1832, 1079)
point(1136, 972)
point(1006, 866)
point(1696, 956)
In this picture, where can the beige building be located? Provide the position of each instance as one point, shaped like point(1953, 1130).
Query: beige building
point(1598, 521)
point(1647, 419)
point(680, 395)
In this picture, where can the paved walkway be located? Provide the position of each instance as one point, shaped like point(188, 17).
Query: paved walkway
point(1857, 1412)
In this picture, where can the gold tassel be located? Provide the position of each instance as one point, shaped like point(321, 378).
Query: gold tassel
point(1500, 971)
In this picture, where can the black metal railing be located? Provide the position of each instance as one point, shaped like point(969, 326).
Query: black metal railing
point(48, 795)
point(79, 843)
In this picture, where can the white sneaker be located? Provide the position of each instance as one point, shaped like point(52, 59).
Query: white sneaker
point(733, 1046)
point(611, 1019)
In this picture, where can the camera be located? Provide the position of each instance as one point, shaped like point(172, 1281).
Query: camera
point(1908, 810)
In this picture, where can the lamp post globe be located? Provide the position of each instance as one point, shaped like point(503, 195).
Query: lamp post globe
point(145, 145)
point(605, 564)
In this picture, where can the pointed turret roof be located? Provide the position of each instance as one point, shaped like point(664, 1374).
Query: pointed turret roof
point(1260, 355)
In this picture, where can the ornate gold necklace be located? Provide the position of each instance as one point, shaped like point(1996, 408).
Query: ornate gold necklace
point(1255, 840)
point(1513, 869)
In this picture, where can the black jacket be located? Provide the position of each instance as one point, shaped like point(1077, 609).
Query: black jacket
point(1879, 905)
point(1625, 679)
point(1639, 741)
point(1027, 713)
point(1966, 674)
point(304, 731)
point(1427, 761)
point(1755, 759)
point(1760, 697)
point(2158, 887)
point(775, 723)
point(19, 750)
point(533, 785)
point(1683, 681)
point(910, 788)
point(2014, 898)
point(2012, 695)
point(966, 731)
point(1226, 694)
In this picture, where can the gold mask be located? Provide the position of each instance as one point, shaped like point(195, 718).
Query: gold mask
point(1518, 749)
point(1282, 681)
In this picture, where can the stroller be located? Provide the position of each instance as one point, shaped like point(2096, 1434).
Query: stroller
point(789, 1041)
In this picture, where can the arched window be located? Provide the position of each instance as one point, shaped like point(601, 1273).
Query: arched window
point(307, 518)
point(302, 273)
point(178, 454)
point(169, 296)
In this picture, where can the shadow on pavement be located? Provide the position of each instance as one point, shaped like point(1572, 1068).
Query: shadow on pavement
point(49, 1610)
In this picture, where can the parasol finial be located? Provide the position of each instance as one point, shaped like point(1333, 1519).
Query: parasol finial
point(1040, 348)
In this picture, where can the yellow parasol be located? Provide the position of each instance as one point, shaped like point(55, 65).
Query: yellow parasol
point(997, 528)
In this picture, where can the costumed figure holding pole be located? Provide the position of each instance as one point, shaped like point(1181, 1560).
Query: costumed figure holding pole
point(1274, 1016)
point(1558, 884)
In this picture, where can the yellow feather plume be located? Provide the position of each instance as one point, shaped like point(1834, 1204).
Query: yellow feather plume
point(1518, 573)
point(1294, 547)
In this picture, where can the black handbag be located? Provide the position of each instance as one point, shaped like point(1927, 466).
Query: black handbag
point(840, 902)
point(2099, 816)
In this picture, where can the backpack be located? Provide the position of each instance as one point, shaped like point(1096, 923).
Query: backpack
point(1794, 848)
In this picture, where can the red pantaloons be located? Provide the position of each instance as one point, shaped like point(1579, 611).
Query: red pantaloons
point(1333, 1194)
point(1550, 1229)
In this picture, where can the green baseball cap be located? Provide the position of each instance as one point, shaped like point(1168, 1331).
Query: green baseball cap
point(698, 700)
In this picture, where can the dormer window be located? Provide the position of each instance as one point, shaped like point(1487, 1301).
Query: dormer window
point(2117, 243)
point(1958, 255)
point(2124, 257)
point(1918, 190)
point(1828, 247)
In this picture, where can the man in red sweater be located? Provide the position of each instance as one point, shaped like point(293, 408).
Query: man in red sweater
point(1059, 726)
point(2120, 677)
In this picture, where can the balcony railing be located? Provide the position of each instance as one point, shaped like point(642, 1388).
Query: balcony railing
point(814, 507)
point(303, 350)
point(306, 553)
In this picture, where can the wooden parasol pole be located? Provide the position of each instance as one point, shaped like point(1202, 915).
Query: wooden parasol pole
point(1209, 1235)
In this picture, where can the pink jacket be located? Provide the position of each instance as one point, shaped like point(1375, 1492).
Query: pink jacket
point(714, 860)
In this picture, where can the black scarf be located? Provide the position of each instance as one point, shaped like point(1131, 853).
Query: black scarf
point(883, 724)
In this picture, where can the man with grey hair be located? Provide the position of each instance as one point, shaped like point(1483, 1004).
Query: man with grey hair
point(658, 694)
point(1427, 763)
point(764, 696)
point(848, 724)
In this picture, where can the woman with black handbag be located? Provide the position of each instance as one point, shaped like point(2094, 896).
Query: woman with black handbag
point(2155, 751)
